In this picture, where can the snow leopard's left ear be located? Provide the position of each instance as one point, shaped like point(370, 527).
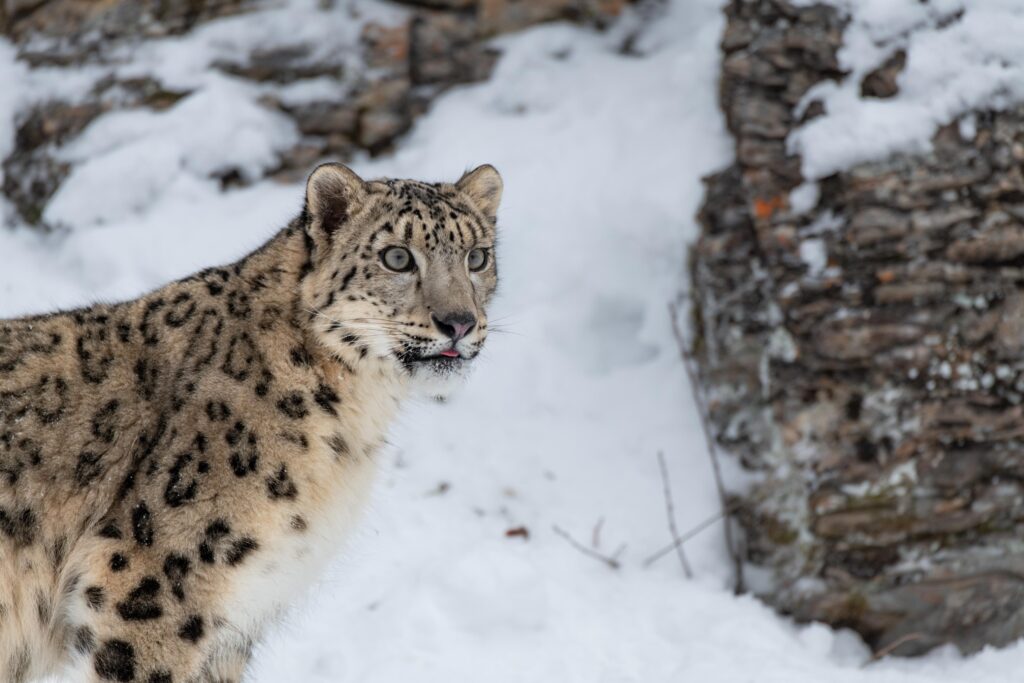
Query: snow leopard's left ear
point(333, 193)
point(483, 186)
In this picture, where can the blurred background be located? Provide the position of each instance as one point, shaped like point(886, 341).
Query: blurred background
point(760, 272)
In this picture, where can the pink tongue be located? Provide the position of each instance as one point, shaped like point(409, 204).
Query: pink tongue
point(450, 353)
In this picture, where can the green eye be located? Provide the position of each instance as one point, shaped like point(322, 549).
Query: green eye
point(477, 260)
point(397, 259)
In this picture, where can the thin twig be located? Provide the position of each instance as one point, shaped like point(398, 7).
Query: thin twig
point(670, 511)
point(612, 561)
point(702, 412)
point(891, 647)
point(595, 539)
point(679, 541)
point(619, 552)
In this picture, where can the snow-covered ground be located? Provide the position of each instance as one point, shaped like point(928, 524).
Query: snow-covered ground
point(602, 156)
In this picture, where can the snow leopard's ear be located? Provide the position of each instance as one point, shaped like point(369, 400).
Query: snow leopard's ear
point(483, 186)
point(333, 193)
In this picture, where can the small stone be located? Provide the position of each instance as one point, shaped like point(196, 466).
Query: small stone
point(444, 49)
point(872, 225)
point(863, 342)
point(324, 118)
point(738, 34)
point(756, 115)
point(881, 82)
point(910, 292)
point(1009, 335)
point(747, 67)
point(281, 65)
point(386, 46)
point(995, 246)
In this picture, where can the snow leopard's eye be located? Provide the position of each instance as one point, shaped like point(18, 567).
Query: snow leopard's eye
point(477, 260)
point(397, 259)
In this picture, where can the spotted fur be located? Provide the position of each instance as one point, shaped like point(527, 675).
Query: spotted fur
point(174, 469)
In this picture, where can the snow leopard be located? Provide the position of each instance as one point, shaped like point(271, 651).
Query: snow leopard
point(175, 470)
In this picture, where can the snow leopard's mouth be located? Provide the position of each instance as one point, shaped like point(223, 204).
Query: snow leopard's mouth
point(436, 375)
point(445, 362)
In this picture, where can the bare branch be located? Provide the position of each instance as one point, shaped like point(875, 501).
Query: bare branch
point(709, 439)
point(619, 552)
point(612, 561)
point(680, 540)
point(891, 647)
point(595, 540)
point(670, 511)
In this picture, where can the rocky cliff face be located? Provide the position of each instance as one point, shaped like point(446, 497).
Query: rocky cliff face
point(366, 95)
point(864, 354)
point(862, 351)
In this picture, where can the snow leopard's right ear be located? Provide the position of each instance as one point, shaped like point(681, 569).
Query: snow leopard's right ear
point(333, 193)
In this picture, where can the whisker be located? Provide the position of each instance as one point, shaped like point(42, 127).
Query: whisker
point(504, 318)
point(375, 321)
point(380, 320)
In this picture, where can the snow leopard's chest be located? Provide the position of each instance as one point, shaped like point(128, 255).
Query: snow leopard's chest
point(336, 480)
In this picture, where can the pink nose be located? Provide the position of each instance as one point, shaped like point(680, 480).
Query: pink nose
point(455, 325)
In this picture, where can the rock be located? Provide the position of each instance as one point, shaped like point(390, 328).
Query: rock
point(282, 65)
point(445, 49)
point(888, 440)
point(30, 181)
point(384, 113)
point(382, 86)
point(909, 292)
point(881, 82)
point(87, 21)
point(377, 129)
point(738, 34)
point(1009, 341)
point(943, 218)
point(442, 4)
point(760, 116)
point(864, 342)
point(298, 162)
point(31, 174)
point(500, 16)
point(1000, 245)
point(53, 123)
point(324, 118)
point(875, 224)
point(386, 47)
point(755, 151)
point(747, 67)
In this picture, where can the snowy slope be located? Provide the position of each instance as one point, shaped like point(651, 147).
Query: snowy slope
point(602, 156)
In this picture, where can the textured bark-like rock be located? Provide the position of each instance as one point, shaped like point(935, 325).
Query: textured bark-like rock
point(877, 391)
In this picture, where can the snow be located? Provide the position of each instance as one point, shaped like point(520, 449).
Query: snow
point(148, 150)
point(814, 253)
point(804, 197)
point(10, 72)
point(332, 36)
point(578, 390)
point(960, 56)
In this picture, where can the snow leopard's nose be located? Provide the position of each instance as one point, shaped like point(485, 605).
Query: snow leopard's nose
point(455, 325)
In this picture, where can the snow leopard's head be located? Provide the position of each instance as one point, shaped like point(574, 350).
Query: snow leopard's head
point(402, 271)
